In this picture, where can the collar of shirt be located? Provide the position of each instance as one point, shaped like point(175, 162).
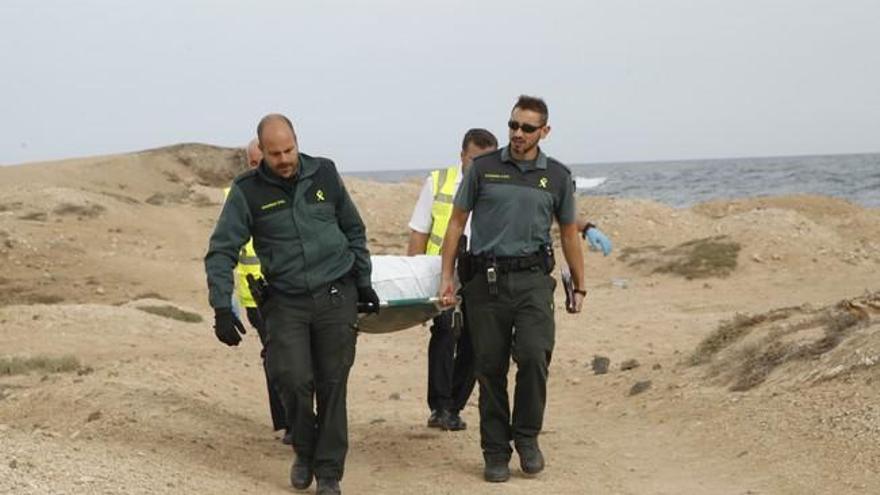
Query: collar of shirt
point(306, 168)
point(540, 160)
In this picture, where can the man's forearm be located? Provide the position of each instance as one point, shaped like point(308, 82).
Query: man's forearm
point(418, 243)
point(450, 243)
point(571, 249)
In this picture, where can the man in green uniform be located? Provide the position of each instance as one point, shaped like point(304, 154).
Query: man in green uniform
point(512, 196)
point(311, 242)
point(249, 265)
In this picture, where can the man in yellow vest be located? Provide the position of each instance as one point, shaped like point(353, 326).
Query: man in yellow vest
point(450, 357)
point(249, 264)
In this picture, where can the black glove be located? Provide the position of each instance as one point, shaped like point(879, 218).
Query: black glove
point(227, 326)
point(368, 300)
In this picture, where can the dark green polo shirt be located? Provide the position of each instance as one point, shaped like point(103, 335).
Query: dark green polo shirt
point(513, 204)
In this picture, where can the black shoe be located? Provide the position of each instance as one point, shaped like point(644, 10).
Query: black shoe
point(453, 422)
point(301, 473)
point(531, 460)
point(328, 486)
point(287, 439)
point(496, 471)
point(438, 418)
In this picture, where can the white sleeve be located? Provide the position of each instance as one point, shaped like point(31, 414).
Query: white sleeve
point(421, 219)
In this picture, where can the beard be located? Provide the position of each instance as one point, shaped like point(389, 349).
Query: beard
point(523, 146)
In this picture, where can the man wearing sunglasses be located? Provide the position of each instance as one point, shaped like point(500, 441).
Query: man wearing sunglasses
point(512, 196)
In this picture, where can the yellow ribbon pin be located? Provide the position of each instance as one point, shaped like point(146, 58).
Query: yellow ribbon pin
point(320, 195)
point(543, 182)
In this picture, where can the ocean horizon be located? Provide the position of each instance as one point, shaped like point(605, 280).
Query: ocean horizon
point(682, 183)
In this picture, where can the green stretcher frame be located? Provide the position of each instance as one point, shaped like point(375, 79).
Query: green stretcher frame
point(399, 314)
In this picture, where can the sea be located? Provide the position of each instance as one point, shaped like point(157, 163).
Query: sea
point(855, 178)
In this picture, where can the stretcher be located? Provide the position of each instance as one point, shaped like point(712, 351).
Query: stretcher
point(407, 287)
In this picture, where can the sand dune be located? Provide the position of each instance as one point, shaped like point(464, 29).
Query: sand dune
point(154, 404)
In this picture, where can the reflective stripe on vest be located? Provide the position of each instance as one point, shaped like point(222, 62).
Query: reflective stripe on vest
point(248, 263)
point(441, 209)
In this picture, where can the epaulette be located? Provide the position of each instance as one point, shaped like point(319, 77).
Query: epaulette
point(551, 160)
point(251, 172)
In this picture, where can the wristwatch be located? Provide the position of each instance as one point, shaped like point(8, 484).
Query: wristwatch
point(587, 227)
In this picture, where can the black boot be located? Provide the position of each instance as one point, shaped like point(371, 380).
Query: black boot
point(531, 460)
point(454, 422)
point(496, 470)
point(301, 473)
point(438, 418)
point(328, 486)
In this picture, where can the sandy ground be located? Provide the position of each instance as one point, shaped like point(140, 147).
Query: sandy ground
point(159, 406)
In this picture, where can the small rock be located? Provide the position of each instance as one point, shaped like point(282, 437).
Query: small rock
point(575, 381)
point(600, 365)
point(707, 285)
point(639, 387)
point(100, 291)
point(657, 366)
point(757, 259)
point(377, 421)
point(629, 364)
point(394, 396)
point(94, 416)
point(13, 464)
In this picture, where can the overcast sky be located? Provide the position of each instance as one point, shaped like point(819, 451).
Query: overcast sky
point(386, 84)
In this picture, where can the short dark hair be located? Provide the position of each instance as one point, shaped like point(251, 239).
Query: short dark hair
point(481, 138)
point(269, 118)
point(534, 104)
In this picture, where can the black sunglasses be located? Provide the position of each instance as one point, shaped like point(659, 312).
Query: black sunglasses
point(526, 128)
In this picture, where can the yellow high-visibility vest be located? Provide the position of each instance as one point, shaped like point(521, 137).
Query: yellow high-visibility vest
point(248, 263)
point(441, 209)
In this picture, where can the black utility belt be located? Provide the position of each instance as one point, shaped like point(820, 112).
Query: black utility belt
point(506, 264)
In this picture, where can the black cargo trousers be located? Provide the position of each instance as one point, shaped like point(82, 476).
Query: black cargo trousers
point(450, 364)
point(309, 351)
point(518, 321)
point(276, 408)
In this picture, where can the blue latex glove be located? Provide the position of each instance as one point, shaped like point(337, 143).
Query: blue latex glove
point(597, 239)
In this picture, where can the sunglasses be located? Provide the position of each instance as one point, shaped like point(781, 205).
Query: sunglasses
point(526, 128)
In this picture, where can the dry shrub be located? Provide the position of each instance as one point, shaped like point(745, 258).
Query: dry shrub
point(703, 258)
point(750, 366)
point(121, 197)
point(172, 312)
point(150, 295)
point(171, 176)
point(178, 197)
point(698, 258)
point(10, 206)
point(89, 210)
point(41, 299)
point(201, 200)
point(758, 361)
point(37, 216)
point(730, 331)
point(44, 364)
